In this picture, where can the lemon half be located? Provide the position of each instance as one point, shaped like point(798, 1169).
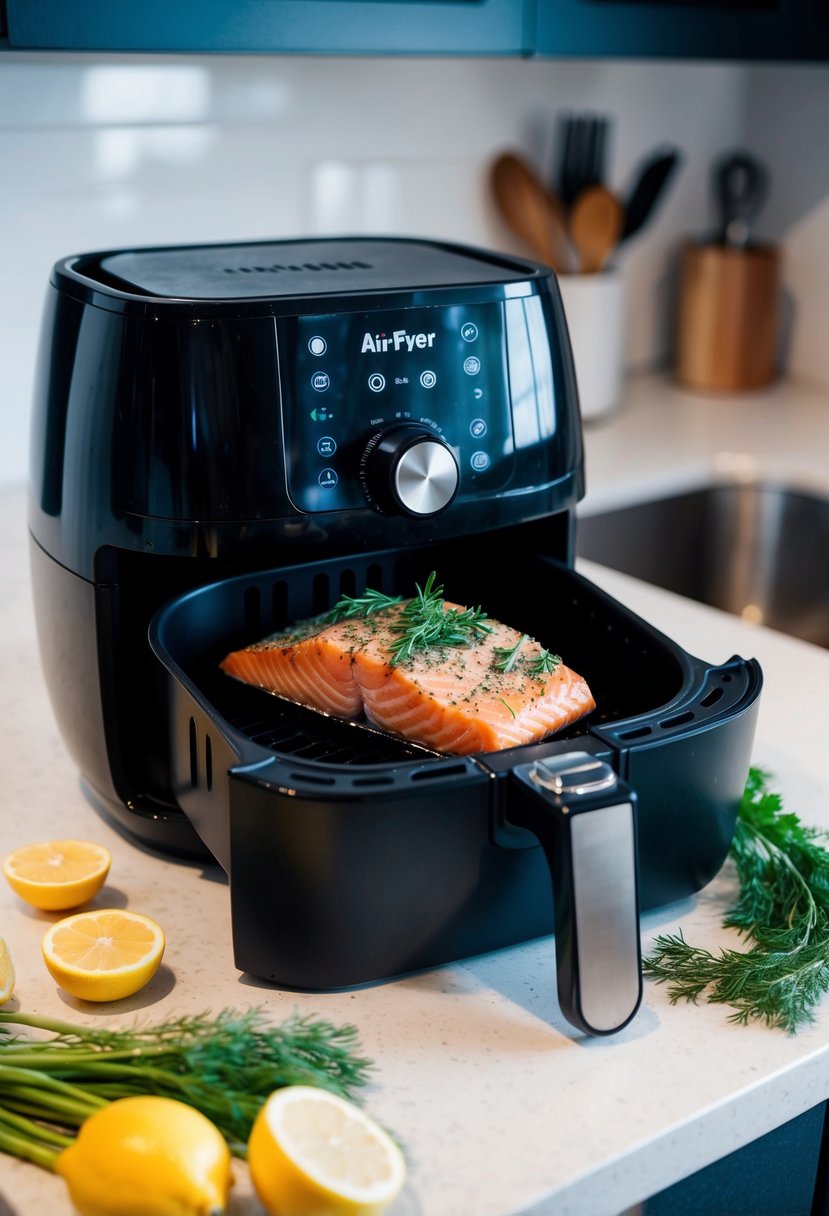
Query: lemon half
point(312, 1153)
point(147, 1156)
point(6, 973)
point(103, 955)
point(57, 874)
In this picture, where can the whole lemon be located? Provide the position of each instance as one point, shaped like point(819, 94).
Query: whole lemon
point(147, 1156)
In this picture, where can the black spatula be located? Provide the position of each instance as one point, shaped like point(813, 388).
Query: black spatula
point(649, 186)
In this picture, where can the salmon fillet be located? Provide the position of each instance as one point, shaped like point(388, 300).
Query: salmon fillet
point(453, 699)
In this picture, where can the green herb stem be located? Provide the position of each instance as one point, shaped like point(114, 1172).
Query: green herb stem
point(33, 1130)
point(27, 1149)
point(350, 606)
point(224, 1066)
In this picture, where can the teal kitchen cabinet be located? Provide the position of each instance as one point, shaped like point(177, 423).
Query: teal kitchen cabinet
point(356, 27)
point(688, 29)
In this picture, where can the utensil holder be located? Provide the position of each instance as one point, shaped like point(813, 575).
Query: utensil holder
point(728, 316)
point(594, 307)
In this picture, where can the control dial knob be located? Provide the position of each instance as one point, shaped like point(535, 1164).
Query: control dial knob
point(409, 468)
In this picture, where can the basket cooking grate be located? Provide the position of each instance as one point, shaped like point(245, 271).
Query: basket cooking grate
point(293, 730)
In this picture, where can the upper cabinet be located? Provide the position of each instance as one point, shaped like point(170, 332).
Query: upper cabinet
point(709, 29)
point(356, 27)
point(687, 29)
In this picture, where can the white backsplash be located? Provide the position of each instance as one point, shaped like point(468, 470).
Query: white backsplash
point(104, 152)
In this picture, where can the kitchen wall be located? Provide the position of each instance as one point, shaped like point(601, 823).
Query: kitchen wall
point(787, 122)
point(103, 152)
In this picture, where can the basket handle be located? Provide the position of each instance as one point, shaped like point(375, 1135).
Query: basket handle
point(584, 817)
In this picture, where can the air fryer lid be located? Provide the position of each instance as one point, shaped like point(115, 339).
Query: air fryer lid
point(277, 268)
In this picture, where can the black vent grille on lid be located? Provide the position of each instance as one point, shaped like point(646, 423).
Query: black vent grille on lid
point(277, 267)
point(299, 268)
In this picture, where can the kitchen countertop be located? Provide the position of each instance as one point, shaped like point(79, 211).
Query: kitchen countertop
point(501, 1107)
point(664, 438)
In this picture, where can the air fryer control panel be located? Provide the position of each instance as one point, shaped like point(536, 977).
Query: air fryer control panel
point(415, 387)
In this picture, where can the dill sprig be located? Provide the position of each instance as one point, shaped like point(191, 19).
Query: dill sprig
point(224, 1066)
point(426, 622)
point(782, 911)
point(369, 602)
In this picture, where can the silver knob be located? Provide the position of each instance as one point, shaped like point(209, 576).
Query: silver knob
point(426, 477)
point(409, 468)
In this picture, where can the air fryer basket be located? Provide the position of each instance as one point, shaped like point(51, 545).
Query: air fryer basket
point(375, 857)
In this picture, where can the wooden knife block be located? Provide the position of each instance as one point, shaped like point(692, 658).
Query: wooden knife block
point(728, 316)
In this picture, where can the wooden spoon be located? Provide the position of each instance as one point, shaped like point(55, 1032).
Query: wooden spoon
point(530, 211)
point(596, 221)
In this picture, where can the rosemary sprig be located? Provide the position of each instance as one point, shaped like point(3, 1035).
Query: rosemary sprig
point(225, 1067)
point(535, 665)
point(507, 656)
point(426, 622)
point(361, 605)
point(782, 910)
point(544, 663)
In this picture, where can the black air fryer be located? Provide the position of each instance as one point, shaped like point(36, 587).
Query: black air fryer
point(227, 438)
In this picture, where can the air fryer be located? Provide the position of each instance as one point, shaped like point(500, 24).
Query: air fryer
point(227, 438)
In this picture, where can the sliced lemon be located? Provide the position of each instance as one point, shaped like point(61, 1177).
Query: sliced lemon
point(311, 1153)
point(6, 973)
point(103, 955)
point(147, 1156)
point(57, 874)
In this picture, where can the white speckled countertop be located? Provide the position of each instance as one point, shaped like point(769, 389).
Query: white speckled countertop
point(502, 1109)
point(664, 438)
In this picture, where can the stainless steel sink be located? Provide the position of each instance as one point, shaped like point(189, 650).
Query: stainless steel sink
point(758, 550)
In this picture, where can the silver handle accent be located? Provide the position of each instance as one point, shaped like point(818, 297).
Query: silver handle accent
point(606, 928)
point(577, 776)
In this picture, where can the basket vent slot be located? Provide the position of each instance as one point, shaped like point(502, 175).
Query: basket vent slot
point(431, 774)
point(678, 719)
point(194, 755)
point(640, 732)
point(279, 605)
point(374, 576)
point(253, 611)
point(348, 582)
point(320, 594)
point(312, 779)
point(713, 697)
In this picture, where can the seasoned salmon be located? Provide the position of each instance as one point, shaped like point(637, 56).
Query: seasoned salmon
point(494, 691)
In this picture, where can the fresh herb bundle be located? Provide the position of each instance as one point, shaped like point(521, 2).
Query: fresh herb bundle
point(225, 1067)
point(782, 910)
point(426, 622)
